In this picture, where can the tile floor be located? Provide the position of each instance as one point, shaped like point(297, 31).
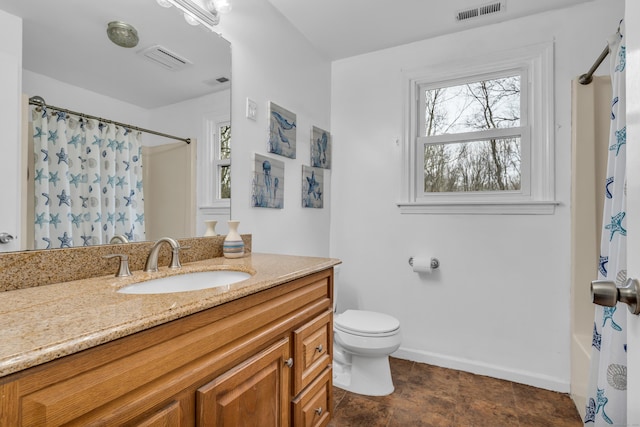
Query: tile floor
point(427, 395)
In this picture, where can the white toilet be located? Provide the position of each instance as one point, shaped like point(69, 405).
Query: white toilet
point(362, 343)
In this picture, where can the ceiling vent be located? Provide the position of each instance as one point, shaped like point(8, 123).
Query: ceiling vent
point(164, 57)
point(474, 12)
point(217, 81)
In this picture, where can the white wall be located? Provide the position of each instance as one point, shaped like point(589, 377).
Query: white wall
point(75, 98)
point(10, 172)
point(499, 305)
point(272, 62)
point(632, 27)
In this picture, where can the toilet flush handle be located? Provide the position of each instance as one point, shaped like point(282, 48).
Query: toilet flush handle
point(606, 293)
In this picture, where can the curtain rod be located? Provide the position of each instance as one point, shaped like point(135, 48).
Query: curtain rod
point(39, 101)
point(587, 78)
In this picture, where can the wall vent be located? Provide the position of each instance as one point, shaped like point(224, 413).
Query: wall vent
point(164, 57)
point(475, 12)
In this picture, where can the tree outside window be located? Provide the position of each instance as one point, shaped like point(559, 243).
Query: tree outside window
point(471, 157)
point(224, 161)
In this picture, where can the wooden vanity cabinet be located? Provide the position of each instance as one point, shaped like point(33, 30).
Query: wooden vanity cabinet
point(261, 360)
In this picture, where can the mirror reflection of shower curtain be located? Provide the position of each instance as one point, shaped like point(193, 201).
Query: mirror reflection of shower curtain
point(88, 181)
point(607, 393)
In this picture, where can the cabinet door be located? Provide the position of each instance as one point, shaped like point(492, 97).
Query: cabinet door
point(170, 415)
point(254, 393)
point(313, 350)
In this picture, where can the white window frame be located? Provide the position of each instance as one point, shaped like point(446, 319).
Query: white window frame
point(210, 164)
point(537, 193)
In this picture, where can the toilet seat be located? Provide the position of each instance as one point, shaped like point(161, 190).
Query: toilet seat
point(366, 323)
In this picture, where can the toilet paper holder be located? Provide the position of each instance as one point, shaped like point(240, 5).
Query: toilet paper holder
point(435, 263)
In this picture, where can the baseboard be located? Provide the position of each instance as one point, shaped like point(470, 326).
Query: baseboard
point(481, 368)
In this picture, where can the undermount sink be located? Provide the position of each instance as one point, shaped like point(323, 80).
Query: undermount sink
point(186, 282)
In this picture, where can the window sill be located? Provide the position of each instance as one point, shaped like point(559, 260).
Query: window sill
point(481, 207)
point(222, 209)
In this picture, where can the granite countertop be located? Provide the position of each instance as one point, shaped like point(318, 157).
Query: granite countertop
point(44, 323)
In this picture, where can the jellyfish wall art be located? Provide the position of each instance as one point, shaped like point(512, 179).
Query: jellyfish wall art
point(268, 183)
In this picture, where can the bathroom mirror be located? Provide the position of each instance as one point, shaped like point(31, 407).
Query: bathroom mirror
point(66, 43)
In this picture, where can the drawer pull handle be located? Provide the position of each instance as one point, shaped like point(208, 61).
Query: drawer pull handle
point(319, 411)
point(319, 348)
point(289, 362)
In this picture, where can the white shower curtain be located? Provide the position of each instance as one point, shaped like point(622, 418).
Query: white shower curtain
point(88, 181)
point(606, 398)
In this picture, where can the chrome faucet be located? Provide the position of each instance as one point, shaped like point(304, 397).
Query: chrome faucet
point(152, 260)
point(119, 238)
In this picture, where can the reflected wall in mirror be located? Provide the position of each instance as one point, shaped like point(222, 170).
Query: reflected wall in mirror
point(176, 80)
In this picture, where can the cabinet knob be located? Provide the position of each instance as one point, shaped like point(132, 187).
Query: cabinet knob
point(319, 410)
point(319, 348)
point(289, 362)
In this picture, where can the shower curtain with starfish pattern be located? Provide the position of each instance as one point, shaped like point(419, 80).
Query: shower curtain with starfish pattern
point(606, 399)
point(88, 181)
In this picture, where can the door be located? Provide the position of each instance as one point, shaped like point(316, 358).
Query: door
point(632, 25)
point(170, 190)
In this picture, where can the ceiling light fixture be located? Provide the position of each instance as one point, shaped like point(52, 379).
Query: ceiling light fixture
point(204, 12)
point(122, 34)
point(190, 19)
point(222, 6)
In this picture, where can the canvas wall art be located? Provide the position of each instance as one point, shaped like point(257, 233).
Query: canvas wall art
point(268, 183)
point(312, 187)
point(282, 131)
point(320, 148)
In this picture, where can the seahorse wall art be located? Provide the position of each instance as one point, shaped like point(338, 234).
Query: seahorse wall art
point(320, 148)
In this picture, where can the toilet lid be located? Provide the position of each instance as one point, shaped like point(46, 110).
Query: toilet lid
point(366, 322)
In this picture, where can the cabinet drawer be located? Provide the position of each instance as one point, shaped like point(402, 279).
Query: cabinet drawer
point(313, 407)
point(313, 348)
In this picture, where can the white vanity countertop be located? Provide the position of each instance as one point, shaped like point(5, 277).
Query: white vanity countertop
point(44, 323)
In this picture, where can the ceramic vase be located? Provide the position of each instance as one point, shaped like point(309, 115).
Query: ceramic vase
point(233, 246)
point(211, 228)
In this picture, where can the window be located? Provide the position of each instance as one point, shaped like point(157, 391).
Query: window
point(215, 166)
point(480, 141)
point(222, 161)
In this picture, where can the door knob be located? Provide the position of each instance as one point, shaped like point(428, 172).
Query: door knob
point(5, 237)
point(605, 292)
